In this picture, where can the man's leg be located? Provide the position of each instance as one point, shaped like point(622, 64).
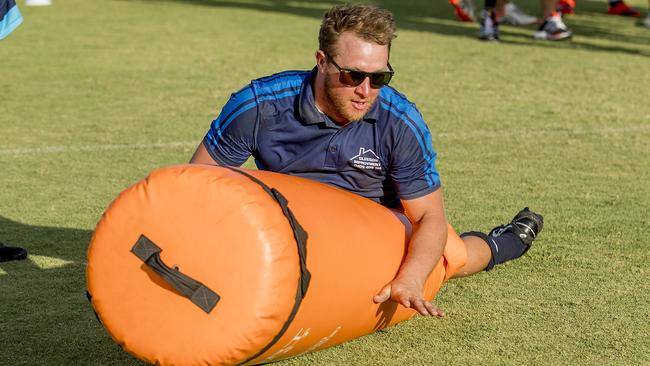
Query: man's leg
point(566, 7)
point(502, 244)
point(489, 29)
point(553, 27)
point(478, 256)
point(548, 8)
point(509, 13)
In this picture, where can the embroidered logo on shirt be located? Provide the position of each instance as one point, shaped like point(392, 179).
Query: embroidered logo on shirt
point(367, 159)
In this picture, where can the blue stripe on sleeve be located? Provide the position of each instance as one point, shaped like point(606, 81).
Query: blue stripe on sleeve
point(241, 102)
point(10, 21)
point(423, 138)
point(222, 125)
point(286, 94)
point(237, 100)
point(399, 102)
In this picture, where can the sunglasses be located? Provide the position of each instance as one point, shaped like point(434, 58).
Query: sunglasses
point(355, 78)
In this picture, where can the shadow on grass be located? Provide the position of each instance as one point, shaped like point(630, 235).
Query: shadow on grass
point(64, 243)
point(45, 317)
point(437, 17)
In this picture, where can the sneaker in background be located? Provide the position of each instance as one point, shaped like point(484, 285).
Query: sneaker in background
point(489, 30)
point(513, 15)
point(621, 8)
point(464, 10)
point(553, 29)
point(38, 2)
point(11, 253)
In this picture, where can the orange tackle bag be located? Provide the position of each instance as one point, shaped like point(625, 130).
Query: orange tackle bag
point(206, 265)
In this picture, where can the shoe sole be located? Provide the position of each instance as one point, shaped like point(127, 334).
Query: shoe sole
point(552, 37)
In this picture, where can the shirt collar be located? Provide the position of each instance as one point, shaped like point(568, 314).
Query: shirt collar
point(311, 115)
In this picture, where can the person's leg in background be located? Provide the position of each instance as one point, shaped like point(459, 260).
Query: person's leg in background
point(553, 27)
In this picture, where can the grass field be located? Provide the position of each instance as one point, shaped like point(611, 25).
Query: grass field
point(95, 94)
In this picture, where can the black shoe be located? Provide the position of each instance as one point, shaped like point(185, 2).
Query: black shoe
point(526, 225)
point(11, 253)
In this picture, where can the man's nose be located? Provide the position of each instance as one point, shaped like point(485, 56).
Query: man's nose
point(363, 89)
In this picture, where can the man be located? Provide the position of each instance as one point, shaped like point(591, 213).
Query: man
point(318, 124)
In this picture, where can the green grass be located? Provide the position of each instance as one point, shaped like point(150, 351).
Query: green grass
point(95, 94)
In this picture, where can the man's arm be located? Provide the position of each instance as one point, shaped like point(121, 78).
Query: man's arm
point(230, 140)
point(201, 156)
point(425, 249)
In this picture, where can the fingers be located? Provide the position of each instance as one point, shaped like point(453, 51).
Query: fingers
point(383, 295)
point(401, 295)
point(426, 308)
point(434, 311)
point(420, 306)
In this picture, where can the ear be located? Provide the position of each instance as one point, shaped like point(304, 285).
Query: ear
point(321, 61)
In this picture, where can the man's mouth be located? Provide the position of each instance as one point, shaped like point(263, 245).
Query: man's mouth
point(360, 105)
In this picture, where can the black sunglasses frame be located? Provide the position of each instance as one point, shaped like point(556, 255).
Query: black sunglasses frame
point(355, 78)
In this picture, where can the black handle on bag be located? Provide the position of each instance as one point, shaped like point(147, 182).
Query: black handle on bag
point(198, 293)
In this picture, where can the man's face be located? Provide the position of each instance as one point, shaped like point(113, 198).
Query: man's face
point(345, 103)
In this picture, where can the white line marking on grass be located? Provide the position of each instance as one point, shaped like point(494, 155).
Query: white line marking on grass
point(44, 262)
point(462, 135)
point(63, 149)
point(2, 272)
point(542, 132)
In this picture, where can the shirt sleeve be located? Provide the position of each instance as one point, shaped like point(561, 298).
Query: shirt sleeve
point(231, 137)
point(413, 166)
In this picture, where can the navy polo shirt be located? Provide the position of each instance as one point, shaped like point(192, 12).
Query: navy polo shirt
point(385, 156)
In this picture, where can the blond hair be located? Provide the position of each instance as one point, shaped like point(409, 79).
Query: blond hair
point(368, 22)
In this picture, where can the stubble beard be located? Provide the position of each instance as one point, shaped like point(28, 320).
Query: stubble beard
point(341, 105)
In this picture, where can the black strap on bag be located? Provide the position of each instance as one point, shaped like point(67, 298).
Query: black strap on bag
point(198, 293)
point(298, 232)
point(301, 240)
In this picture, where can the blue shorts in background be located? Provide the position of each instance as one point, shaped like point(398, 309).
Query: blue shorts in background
point(10, 17)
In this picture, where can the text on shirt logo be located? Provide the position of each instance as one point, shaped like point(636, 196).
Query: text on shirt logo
point(366, 159)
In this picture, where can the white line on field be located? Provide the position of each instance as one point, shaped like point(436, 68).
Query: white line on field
point(544, 132)
point(100, 147)
point(44, 262)
point(454, 135)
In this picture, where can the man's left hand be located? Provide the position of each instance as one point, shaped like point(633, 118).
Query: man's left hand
point(408, 294)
